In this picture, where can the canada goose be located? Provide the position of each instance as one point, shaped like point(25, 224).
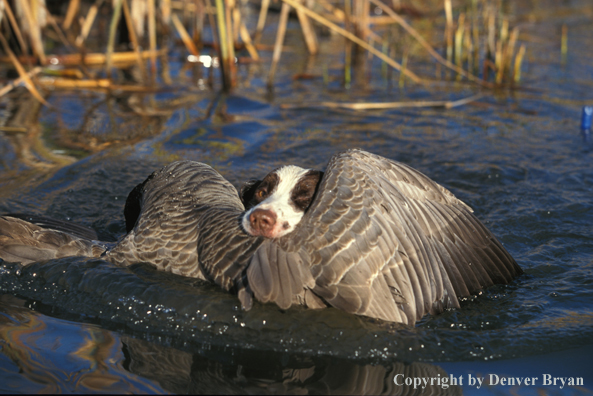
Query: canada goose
point(370, 236)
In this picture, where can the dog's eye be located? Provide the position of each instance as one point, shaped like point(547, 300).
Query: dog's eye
point(260, 193)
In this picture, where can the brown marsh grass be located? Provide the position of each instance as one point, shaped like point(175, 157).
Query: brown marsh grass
point(471, 41)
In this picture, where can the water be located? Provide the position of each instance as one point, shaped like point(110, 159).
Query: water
point(519, 159)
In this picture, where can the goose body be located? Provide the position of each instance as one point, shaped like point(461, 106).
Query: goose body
point(377, 238)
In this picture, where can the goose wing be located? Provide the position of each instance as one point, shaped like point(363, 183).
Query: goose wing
point(184, 218)
point(68, 227)
point(25, 242)
point(382, 240)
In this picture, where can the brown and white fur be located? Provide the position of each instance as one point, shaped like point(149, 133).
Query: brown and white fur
point(276, 204)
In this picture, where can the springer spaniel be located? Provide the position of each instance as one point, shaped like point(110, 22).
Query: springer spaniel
point(276, 204)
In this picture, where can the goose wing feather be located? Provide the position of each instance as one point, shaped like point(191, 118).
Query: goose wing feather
point(68, 227)
point(382, 240)
point(281, 276)
point(184, 218)
point(21, 241)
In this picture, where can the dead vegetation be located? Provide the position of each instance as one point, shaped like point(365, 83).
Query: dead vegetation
point(478, 44)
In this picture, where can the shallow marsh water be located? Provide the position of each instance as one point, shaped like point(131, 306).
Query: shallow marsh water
point(519, 159)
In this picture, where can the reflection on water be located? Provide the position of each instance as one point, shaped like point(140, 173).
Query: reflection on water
point(89, 359)
point(263, 372)
point(46, 355)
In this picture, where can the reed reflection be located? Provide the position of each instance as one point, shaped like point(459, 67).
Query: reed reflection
point(240, 371)
point(53, 355)
point(49, 355)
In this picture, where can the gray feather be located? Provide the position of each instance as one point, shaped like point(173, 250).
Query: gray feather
point(383, 240)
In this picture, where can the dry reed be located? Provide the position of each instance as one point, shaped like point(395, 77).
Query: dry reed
point(15, 83)
point(354, 39)
point(564, 44)
point(308, 31)
point(152, 35)
point(26, 78)
point(88, 23)
point(73, 7)
point(449, 30)
point(15, 26)
point(261, 21)
point(117, 6)
point(185, 37)
point(134, 40)
point(34, 29)
point(498, 46)
point(463, 38)
point(279, 41)
point(388, 105)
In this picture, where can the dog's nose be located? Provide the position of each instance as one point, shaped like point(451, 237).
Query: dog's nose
point(262, 221)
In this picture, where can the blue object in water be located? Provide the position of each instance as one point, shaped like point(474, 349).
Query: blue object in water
point(586, 118)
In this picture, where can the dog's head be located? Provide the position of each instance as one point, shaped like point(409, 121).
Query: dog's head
point(277, 203)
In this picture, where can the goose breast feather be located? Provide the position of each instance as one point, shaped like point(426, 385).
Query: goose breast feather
point(382, 240)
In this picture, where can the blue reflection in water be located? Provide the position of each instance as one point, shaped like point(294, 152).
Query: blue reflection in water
point(41, 354)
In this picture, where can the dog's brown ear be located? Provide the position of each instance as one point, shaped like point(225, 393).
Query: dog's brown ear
point(305, 190)
point(247, 190)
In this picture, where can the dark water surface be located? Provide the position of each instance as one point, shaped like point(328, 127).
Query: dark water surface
point(518, 158)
